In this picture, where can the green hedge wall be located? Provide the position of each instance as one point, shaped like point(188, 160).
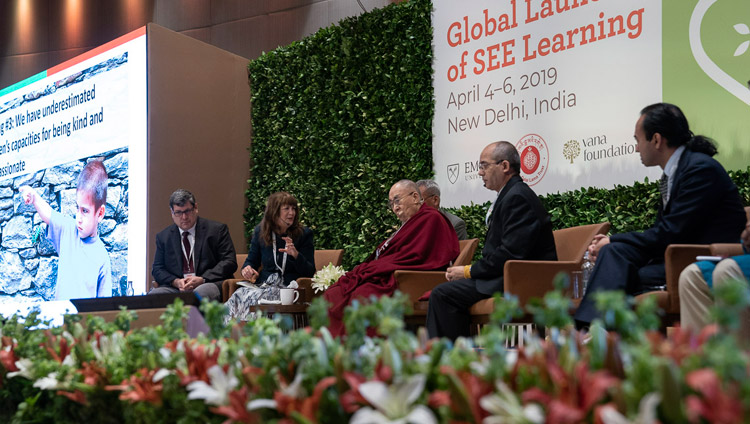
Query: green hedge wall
point(338, 118)
point(626, 208)
point(343, 114)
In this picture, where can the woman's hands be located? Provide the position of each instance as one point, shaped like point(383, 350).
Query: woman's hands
point(250, 273)
point(289, 248)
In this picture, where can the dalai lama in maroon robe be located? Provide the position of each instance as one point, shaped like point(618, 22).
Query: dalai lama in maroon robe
point(426, 241)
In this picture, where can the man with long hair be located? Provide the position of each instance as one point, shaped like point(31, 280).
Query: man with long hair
point(699, 205)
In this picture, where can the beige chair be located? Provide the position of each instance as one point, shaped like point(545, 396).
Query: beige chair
point(726, 249)
point(529, 279)
point(676, 258)
point(415, 283)
point(322, 258)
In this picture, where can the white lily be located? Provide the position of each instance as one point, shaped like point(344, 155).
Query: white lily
point(327, 275)
point(50, 382)
point(218, 392)
point(506, 408)
point(159, 375)
point(70, 359)
point(108, 346)
point(393, 404)
point(646, 412)
point(25, 367)
point(261, 403)
point(294, 390)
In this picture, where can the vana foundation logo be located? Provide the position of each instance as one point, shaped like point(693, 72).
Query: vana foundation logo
point(714, 17)
point(571, 150)
point(594, 148)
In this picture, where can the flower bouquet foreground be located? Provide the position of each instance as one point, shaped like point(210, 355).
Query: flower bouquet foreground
point(94, 371)
point(326, 276)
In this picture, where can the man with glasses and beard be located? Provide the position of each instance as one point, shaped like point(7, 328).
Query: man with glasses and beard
point(518, 227)
point(195, 254)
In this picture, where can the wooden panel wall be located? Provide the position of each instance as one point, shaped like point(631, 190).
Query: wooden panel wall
point(38, 34)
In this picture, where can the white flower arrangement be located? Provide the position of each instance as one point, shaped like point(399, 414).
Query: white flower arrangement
point(327, 275)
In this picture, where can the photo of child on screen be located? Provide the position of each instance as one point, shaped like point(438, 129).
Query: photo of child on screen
point(83, 269)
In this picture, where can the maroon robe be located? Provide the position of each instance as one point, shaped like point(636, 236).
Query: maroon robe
point(426, 242)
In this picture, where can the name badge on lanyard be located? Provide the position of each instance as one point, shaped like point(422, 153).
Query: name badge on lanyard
point(275, 261)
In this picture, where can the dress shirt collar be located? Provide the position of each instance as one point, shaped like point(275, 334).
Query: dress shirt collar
point(492, 206)
point(190, 231)
point(673, 161)
point(671, 167)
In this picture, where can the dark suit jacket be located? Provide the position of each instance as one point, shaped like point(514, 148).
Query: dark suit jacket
point(704, 207)
point(458, 224)
point(519, 228)
point(215, 258)
point(261, 253)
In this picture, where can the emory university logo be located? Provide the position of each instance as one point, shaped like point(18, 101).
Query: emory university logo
point(534, 158)
point(453, 173)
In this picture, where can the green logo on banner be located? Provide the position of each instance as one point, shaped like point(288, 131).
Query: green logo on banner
point(706, 68)
point(724, 55)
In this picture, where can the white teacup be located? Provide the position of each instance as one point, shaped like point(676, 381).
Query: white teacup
point(289, 296)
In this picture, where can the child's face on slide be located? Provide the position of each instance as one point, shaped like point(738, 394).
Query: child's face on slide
point(87, 217)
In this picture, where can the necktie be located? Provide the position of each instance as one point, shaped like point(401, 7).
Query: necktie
point(663, 189)
point(187, 263)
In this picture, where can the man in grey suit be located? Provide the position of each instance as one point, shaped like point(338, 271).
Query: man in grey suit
point(431, 194)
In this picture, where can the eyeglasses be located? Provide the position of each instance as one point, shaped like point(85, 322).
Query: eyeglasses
point(397, 200)
point(484, 165)
point(180, 214)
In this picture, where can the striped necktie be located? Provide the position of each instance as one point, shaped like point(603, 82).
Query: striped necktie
point(664, 189)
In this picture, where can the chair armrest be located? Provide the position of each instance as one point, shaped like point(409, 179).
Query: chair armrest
point(726, 249)
point(528, 279)
point(676, 258)
point(415, 283)
point(306, 283)
point(228, 287)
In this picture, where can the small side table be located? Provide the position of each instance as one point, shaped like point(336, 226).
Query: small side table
point(297, 311)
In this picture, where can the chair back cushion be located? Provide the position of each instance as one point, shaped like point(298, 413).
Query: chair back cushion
point(324, 257)
point(240, 261)
point(571, 243)
point(466, 249)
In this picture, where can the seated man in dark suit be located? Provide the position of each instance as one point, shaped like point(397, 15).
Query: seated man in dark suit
point(194, 254)
point(430, 192)
point(700, 205)
point(518, 228)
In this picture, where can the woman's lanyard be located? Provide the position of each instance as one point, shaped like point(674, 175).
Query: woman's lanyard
point(283, 261)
